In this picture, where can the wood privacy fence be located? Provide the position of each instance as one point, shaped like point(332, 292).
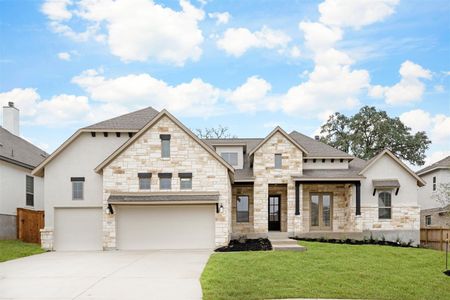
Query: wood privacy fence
point(435, 238)
point(29, 224)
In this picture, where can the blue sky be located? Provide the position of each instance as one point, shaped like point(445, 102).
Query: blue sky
point(247, 65)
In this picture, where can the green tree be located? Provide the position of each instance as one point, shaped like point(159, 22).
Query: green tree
point(370, 131)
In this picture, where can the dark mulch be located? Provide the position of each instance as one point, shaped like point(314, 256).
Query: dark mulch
point(358, 242)
point(447, 272)
point(247, 245)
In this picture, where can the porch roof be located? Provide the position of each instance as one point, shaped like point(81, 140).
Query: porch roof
point(327, 175)
point(165, 198)
point(385, 183)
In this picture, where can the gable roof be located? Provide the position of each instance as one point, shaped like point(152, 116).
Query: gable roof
point(131, 122)
point(163, 113)
point(282, 132)
point(18, 151)
point(317, 149)
point(442, 164)
point(420, 181)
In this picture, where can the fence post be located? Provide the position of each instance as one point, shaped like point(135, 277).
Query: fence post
point(442, 238)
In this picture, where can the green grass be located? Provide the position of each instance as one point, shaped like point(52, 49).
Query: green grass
point(328, 271)
point(12, 249)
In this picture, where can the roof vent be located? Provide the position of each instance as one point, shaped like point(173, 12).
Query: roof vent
point(317, 137)
point(11, 104)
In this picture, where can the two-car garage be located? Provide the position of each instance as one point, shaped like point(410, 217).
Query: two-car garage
point(138, 227)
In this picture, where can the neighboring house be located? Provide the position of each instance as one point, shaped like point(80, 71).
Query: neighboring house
point(18, 188)
point(145, 181)
point(433, 213)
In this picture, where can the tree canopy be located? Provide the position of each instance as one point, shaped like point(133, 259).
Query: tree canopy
point(370, 131)
point(219, 132)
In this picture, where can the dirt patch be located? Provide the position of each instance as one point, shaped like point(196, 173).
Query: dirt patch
point(247, 245)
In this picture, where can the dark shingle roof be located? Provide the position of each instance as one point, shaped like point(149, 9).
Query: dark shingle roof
point(18, 151)
point(442, 164)
point(316, 148)
point(131, 121)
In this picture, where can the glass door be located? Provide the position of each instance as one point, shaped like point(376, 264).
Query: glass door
point(321, 207)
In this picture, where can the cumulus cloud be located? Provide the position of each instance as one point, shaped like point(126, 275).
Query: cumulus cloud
point(252, 95)
point(237, 41)
point(221, 17)
point(437, 126)
point(319, 36)
point(410, 88)
point(64, 56)
point(24, 98)
point(436, 156)
point(356, 14)
point(135, 30)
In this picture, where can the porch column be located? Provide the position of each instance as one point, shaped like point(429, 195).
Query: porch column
point(358, 198)
point(297, 198)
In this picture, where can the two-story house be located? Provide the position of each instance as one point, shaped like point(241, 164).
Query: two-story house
point(145, 181)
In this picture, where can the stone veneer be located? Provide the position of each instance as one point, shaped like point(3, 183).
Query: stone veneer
point(186, 155)
point(242, 227)
point(47, 239)
point(265, 174)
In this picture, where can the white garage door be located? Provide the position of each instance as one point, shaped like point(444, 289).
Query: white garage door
point(78, 229)
point(165, 227)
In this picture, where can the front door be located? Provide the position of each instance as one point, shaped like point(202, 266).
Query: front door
point(274, 213)
point(321, 211)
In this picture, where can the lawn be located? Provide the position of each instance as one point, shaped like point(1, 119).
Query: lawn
point(328, 271)
point(12, 249)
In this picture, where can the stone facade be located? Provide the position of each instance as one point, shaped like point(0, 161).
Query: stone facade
point(247, 227)
point(265, 174)
point(186, 155)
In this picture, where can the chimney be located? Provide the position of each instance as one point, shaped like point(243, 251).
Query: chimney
point(317, 137)
point(11, 118)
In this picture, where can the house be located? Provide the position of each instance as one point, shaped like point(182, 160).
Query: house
point(432, 212)
point(18, 188)
point(144, 181)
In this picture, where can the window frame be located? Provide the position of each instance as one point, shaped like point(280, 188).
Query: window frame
point(165, 145)
point(434, 183)
point(428, 220)
point(80, 182)
point(29, 193)
point(223, 154)
point(278, 164)
point(385, 207)
point(167, 176)
point(147, 178)
point(238, 217)
point(185, 177)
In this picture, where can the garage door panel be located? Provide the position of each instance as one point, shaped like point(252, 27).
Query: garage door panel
point(165, 227)
point(78, 229)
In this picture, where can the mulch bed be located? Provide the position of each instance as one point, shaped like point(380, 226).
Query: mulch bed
point(358, 242)
point(247, 245)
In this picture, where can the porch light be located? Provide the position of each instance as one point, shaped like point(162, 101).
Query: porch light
point(109, 210)
point(219, 208)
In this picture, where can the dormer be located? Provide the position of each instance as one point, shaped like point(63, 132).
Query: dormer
point(232, 153)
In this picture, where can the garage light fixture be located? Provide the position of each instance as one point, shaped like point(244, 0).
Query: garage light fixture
point(109, 210)
point(219, 208)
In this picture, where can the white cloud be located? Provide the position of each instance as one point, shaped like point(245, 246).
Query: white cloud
point(356, 14)
point(436, 156)
point(252, 95)
point(237, 41)
point(417, 119)
point(135, 30)
point(437, 126)
point(410, 88)
point(318, 36)
point(62, 109)
point(295, 52)
point(24, 98)
point(221, 18)
point(64, 56)
point(439, 88)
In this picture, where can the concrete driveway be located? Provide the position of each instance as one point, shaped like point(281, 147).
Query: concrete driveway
point(104, 275)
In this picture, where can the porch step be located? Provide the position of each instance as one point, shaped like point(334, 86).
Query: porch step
point(285, 244)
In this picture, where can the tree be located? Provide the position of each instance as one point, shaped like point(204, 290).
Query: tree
point(370, 131)
point(219, 132)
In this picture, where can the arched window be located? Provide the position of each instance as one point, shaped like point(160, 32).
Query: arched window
point(384, 205)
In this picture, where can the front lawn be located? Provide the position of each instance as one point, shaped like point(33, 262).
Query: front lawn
point(12, 249)
point(328, 271)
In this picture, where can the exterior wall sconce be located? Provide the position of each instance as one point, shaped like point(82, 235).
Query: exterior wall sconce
point(219, 208)
point(109, 210)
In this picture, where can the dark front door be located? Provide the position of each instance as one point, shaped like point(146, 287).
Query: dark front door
point(274, 212)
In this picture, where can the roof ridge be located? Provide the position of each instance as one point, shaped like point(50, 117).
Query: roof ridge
point(121, 116)
point(23, 140)
point(322, 143)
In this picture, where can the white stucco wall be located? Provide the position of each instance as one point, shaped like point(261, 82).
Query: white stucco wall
point(78, 160)
point(235, 149)
point(426, 200)
point(13, 189)
point(319, 164)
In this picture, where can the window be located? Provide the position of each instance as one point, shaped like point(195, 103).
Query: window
point(278, 159)
point(384, 205)
point(242, 209)
point(165, 145)
point(29, 191)
point(165, 181)
point(427, 220)
point(77, 188)
point(144, 180)
point(230, 157)
point(434, 183)
point(185, 181)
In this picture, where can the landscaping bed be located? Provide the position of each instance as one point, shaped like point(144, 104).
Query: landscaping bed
point(247, 245)
point(11, 249)
point(369, 241)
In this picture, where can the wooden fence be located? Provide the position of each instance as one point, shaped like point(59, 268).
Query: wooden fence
point(29, 224)
point(435, 238)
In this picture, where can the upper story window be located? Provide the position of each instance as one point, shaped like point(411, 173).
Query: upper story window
point(29, 191)
point(144, 180)
point(428, 220)
point(185, 181)
point(434, 183)
point(278, 161)
point(165, 181)
point(77, 188)
point(384, 205)
point(230, 157)
point(242, 209)
point(165, 145)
